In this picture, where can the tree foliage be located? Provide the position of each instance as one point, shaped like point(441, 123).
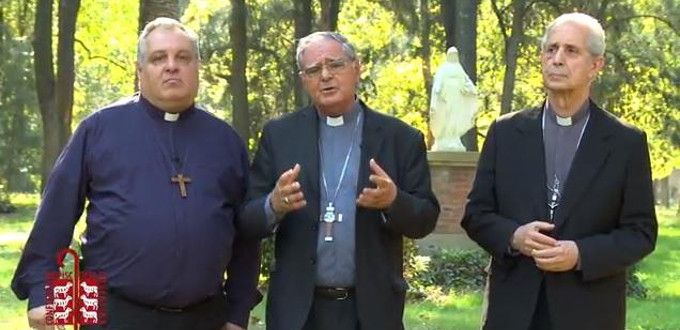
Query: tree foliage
point(20, 126)
point(401, 43)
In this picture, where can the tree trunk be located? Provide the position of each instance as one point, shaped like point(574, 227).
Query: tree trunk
point(2, 49)
point(2, 26)
point(425, 55)
point(665, 192)
point(459, 18)
point(6, 153)
point(239, 81)
point(55, 100)
point(329, 14)
point(460, 25)
point(44, 80)
point(152, 9)
point(16, 137)
point(449, 18)
point(466, 33)
point(303, 26)
point(23, 20)
point(466, 36)
point(68, 13)
point(512, 46)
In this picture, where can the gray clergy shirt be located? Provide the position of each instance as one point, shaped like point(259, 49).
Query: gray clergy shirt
point(336, 259)
point(560, 144)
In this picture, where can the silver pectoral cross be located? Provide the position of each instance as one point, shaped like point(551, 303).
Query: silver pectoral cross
point(329, 217)
point(555, 196)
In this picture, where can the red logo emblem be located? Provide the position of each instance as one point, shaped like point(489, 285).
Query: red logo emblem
point(75, 298)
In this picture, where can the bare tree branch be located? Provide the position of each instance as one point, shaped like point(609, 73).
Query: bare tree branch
point(554, 4)
point(98, 57)
point(655, 17)
point(602, 10)
point(267, 51)
point(501, 23)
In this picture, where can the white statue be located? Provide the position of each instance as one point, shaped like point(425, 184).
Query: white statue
point(453, 106)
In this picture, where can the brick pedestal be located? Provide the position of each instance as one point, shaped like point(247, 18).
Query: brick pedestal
point(452, 176)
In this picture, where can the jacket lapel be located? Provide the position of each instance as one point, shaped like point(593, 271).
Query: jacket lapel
point(371, 140)
point(590, 156)
point(307, 137)
point(533, 159)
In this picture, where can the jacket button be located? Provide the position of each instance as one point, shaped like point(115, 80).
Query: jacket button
point(312, 261)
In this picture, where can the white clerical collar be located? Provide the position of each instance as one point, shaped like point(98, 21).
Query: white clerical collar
point(346, 117)
point(568, 121)
point(335, 121)
point(563, 121)
point(169, 116)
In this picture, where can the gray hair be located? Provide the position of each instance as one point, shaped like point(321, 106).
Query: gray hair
point(347, 47)
point(595, 39)
point(169, 24)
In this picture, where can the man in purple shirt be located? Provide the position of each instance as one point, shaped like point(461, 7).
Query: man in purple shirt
point(164, 181)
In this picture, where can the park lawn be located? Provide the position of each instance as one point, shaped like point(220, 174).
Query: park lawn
point(14, 229)
point(454, 311)
point(660, 272)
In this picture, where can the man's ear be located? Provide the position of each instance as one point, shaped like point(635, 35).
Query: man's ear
point(598, 64)
point(359, 67)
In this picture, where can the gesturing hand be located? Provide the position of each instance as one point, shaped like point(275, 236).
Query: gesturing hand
point(287, 194)
point(383, 195)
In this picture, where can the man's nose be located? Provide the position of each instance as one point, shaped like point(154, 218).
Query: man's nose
point(171, 65)
point(558, 58)
point(326, 72)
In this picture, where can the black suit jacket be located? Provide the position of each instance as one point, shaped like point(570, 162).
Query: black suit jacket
point(607, 209)
point(380, 287)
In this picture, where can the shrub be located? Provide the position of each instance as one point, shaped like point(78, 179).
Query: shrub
point(634, 286)
point(463, 271)
point(449, 270)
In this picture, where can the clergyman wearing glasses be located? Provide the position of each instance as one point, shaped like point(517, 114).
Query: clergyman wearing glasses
point(339, 185)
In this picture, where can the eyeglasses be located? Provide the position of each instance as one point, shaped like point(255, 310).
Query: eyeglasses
point(333, 67)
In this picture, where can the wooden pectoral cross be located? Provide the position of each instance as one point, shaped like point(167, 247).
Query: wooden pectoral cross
point(181, 180)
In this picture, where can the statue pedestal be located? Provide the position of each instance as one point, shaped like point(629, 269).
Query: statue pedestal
point(452, 174)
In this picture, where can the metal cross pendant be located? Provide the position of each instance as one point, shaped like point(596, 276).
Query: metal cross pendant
point(328, 218)
point(181, 180)
point(555, 197)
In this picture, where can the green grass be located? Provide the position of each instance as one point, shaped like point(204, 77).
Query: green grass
point(454, 311)
point(14, 229)
point(660, 272)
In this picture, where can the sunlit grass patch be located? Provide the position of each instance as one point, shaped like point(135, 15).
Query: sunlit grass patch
point(455, 311)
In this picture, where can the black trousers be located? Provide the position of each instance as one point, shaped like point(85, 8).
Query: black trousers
point(123, 314)
point(332, 314)
point(541, 318)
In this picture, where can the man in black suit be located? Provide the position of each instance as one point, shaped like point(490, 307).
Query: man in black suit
point(340, 185)
point(562, 198)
